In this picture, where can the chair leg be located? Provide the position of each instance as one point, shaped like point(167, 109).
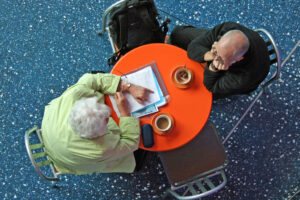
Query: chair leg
point(140, 157)
point(54, 185)
point(165, 194)
point(290, 54)
point(243, 116)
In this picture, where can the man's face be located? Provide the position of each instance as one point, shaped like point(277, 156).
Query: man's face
point(222, 55)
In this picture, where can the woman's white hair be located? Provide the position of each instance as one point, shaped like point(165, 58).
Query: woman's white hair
point(88, 117)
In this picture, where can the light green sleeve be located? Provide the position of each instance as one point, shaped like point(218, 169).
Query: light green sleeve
point(130, 135)
point(105, 83)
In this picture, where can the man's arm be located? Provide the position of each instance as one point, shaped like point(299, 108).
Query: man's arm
point(223, 83)
point(200, 48)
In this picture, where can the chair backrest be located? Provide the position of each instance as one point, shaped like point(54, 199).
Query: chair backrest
point(106, 13)
point(274, 56)
point(198, 165)
point(274, 61)
point(38, 155)
point(104, 23)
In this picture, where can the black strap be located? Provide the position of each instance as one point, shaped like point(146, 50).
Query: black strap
point(116, 56)
point(164, 27)
point(113, 59)
point(96, 72)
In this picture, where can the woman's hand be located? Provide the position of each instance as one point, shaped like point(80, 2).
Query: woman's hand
point(139, 93)
point(122, 104)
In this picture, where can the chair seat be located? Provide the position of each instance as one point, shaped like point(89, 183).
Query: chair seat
point(204, 155)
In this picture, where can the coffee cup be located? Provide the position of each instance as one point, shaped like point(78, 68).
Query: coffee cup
point(183, 76)
point(163, 123)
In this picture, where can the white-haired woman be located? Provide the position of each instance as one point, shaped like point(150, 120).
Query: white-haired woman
point(79, 134)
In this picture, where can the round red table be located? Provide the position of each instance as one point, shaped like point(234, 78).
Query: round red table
point(189, 107)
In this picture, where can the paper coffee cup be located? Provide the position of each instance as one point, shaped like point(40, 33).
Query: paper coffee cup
point(163, 123)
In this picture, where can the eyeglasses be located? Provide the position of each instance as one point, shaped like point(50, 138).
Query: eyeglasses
point(216, 56)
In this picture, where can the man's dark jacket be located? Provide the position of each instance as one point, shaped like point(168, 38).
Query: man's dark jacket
point(243, 76)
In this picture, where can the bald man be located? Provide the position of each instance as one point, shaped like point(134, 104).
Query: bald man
point(237, 57)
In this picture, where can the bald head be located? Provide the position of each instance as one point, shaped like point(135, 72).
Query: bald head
point(235, 42)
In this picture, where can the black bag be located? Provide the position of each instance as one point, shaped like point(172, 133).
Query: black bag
point(134, 23)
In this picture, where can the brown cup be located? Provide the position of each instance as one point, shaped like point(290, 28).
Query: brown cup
point(183, 76)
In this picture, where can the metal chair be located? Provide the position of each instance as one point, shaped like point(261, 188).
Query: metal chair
point(274, 62)
point(196, 169)
point(104, 23)
point(38, 156)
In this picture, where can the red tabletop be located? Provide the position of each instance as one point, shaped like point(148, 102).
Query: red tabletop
point(189, 107)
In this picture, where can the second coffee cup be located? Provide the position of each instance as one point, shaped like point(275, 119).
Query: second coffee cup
point(163, 123)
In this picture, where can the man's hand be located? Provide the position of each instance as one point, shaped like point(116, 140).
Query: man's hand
point(217, 66)
point(139, 93)
point(122, 104)
point(210, 55)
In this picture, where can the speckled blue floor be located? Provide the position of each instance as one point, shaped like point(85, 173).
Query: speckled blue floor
point(45, 46)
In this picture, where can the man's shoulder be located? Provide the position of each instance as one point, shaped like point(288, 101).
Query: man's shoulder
point(229, 25)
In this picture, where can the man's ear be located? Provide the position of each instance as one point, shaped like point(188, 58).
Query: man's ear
point(239, 59)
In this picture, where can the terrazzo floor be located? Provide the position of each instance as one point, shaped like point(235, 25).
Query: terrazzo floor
point(45, 46)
